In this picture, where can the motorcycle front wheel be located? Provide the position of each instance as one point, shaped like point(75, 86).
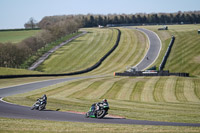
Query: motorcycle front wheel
point(33, 107)
point(87, 115)
point(40, 108)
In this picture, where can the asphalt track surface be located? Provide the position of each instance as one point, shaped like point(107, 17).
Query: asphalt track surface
point(10, 110)
point(153, 51)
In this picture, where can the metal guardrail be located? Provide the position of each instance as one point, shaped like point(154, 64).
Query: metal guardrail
point(162, 65)
point(159, 73)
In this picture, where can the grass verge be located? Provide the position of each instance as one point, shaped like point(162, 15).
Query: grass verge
point(30, 126)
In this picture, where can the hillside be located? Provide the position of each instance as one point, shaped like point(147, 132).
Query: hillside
point(87, 50)
point(174, 99)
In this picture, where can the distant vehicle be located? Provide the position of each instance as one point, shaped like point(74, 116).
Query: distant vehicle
point(100, 26)
point(163, 28)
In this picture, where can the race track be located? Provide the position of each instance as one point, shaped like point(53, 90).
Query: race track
point(153, 51)
point(16, 111)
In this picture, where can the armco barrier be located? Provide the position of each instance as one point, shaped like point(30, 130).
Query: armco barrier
point(162, 65)
point(159, 73)
point(72, 73)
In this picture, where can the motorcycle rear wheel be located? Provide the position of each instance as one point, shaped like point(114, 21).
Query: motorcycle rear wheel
point(101, 114)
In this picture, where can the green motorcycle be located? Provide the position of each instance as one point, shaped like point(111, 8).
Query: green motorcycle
point(98, 111)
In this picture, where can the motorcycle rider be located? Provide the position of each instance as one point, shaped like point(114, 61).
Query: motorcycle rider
point(95, 106)
point(102, 102)
point(44, 98)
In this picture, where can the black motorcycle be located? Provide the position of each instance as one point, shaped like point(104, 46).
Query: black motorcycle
point(100, 111)
point(40, 104)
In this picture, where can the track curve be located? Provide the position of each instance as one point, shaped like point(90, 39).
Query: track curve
point(16, 111)
point(153, 52)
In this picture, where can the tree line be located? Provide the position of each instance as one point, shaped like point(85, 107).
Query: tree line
point(91, 20)
point(13, 55)
point(55, 27)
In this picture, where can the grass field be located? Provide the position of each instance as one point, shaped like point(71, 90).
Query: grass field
point(30, 126)
point(174, 99)
point(16, 36)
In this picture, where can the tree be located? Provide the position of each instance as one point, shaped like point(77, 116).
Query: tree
point(100, 20)
point(31, 24)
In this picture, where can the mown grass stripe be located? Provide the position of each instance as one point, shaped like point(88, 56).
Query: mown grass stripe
point(120, 50)
point(137, 91)
point(90, 88)
point(59, 57)
point(169, 90)
point(114, 90)
point(189, 91)
point(158, 90)
point(179, 90)
point(104, 66)
point(197, 87)
point(59, 88)
point(128, 49)
point(147, 93)
point(125, 92)
point(86, 53)
point(141, 48)
point(70, 91)
point(102, 89)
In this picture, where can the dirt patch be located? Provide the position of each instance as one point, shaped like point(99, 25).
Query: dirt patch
point(196, 59)
point(164, 35)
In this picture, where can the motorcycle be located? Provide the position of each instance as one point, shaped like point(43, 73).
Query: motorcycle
point(100, 111)
point(40, 104)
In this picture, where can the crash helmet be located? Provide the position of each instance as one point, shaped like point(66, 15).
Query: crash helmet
point(44, 96)
point(104, 100)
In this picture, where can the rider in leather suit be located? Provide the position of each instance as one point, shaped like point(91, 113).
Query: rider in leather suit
point(96, 105)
